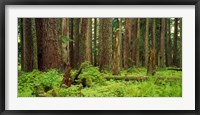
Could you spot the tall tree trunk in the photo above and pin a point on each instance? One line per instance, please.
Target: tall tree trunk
(138, 44)
(88, 40)
(127, 42)
(146, 51)
(35, 61)
(71, 44)
(27, 45)
(84, 39)
(77, 39)
(48, 43)
(22, 43)
(100, 43)
(134, 41)
(180, 42)
(39, 34)
(175, 41)
(95, 41)
(106, 54)
(162, 43)
(154, 34)
(65, 45)
(169, 44)
(116, 55)
(122, 43)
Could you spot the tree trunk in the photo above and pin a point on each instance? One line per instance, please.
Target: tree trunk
(138, 44)
(48, 46)
(175, 41)
(90, 38)
(65, 44)
(27, 45)
(35, 61)
(180, 42)
(100, 43)
(22, 43)
(106, 54)
(169, 44)
(134, 42)
(95, 41)
(127, 42)
(71, 44)
(146, 51)
(88, 41)
(154, 34)
(162, 43)
(116, 55)
(77, 39)
(84, 39)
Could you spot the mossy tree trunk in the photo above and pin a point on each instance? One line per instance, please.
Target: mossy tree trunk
(65, 51)
(116, 54)
(27, 45)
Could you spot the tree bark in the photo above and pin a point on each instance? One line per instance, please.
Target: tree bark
(154, 34)
(138, 44)
(180, 42)
(22, 43)
(95, 41)
(127, 42)
(35, 61)
(116, 55)
(71, 44)
(48, 46)
(27, 45)
(88, 41)
(84, 51)
(65, 51)
(175, 41)
(100, 43)
(106, 54)
(169, 44)
(77, 39)
(162, 43)
(134, 41)
(146, 51)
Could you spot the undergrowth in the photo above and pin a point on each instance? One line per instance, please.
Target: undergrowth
(47, 84)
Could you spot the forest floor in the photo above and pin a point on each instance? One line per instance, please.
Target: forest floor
(132, 82)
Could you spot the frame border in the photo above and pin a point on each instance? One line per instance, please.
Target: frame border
(3, 3)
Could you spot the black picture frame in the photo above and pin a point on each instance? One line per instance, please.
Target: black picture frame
(3, 3)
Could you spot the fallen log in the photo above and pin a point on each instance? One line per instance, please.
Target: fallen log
(142, 78)
(177, 69)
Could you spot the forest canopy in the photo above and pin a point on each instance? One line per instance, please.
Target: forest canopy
(99, 57)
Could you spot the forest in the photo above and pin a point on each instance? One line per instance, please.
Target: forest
(99, 57)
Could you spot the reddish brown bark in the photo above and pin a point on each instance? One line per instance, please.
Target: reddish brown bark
(48, 45)
(127, 38)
